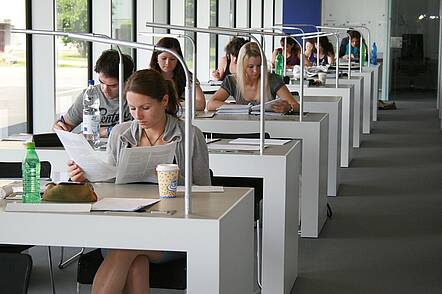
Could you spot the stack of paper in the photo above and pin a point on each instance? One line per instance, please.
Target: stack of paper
(122, 204)
(247, 141)
(233, 109)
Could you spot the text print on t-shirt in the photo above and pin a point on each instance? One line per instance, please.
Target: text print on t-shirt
(111, 118)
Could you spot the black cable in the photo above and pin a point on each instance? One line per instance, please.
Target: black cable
(329, 211)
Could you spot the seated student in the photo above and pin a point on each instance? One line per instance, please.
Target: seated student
(153, 103)
(310, 51)
(107, 68)
(326, 52)
(354, 46)
(244, 86)
(166, 64)
(293, 53)
(227, 64)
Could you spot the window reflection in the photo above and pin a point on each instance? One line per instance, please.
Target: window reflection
(12, 69)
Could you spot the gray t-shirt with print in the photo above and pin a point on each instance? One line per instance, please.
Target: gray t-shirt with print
(108, 110)
(229, 84)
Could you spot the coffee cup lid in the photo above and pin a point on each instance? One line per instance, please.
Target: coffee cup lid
(165, 167)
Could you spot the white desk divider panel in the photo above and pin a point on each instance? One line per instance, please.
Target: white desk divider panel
(376, 69)
(332, 106)
(358, 84)
(346, 92)
(280, 169)
(313, 131)
(217, 236)
(367, 100)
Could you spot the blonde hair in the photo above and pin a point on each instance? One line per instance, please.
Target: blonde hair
(248, 50)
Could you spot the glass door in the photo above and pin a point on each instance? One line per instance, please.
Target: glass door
(414, 47)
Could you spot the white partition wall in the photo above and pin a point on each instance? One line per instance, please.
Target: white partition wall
(43, 66)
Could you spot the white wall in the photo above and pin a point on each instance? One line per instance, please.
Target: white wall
(374, 15)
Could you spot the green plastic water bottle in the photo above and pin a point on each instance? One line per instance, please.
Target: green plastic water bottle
(364, 55)
(31, 175)
(279, 64)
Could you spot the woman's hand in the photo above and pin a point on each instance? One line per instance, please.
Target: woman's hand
(75, 172)
(281, 106)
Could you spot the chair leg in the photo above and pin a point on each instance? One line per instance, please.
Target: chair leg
(51, 273)
(66, 263)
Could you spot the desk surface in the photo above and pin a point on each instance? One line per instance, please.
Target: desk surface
(204, 205)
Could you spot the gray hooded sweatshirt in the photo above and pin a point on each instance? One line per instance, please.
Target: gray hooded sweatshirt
(128, 134)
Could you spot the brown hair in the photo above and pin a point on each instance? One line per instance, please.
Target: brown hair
(179, 77)
(151, 83)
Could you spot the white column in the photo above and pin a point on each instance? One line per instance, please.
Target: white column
(144, 14)
(224, 20)
(242, 14)
(101, 24)
(203, 41)
(43, 66)
(177, 17)
(268, 22)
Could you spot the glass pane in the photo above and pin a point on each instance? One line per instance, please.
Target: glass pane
(213, 37)
(189, 20)
(414, 46)
(12, 69)
(122, 23)
(71, 73)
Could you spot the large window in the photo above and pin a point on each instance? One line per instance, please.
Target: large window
(71, 73)
(13, 100)
(213, 37)
(122, 22)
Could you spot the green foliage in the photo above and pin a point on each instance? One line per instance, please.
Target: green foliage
(72, 16)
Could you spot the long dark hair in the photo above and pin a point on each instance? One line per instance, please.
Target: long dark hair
(295, 47)
(151, 83)
(179, 76)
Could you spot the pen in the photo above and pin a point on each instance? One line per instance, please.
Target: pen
(62, 119)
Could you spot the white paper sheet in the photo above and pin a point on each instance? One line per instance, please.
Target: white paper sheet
(138, 164)
(267, 106)
(79, 150)
(203, 189)
(232, 147)
(247, 141)
(122, 204)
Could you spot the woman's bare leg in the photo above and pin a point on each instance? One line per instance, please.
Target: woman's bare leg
(112, 275)
(137, 281)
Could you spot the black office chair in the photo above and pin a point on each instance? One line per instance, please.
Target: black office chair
(15, 273)
(13, 170)
(169, 275)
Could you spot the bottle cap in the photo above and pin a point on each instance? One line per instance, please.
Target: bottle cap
(30, 145)
(90, 82)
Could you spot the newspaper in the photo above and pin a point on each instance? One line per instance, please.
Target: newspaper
(136, 164)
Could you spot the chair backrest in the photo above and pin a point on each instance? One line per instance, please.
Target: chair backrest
(13, 169)
(15, 272)
(235, 135)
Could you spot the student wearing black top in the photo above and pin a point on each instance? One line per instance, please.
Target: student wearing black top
(227, 64)
(169, 68)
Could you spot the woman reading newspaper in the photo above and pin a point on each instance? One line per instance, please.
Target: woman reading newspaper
(153, 103)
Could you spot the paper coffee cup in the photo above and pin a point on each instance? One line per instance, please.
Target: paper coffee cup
(322, 77)
(167, 180)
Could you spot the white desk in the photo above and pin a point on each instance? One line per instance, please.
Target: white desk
(333, 107)
(218, 236)
(280, 169)
(348, 114)
(358, 84)
(314, 134)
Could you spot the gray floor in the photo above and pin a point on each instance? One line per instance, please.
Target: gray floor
(386, 231)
